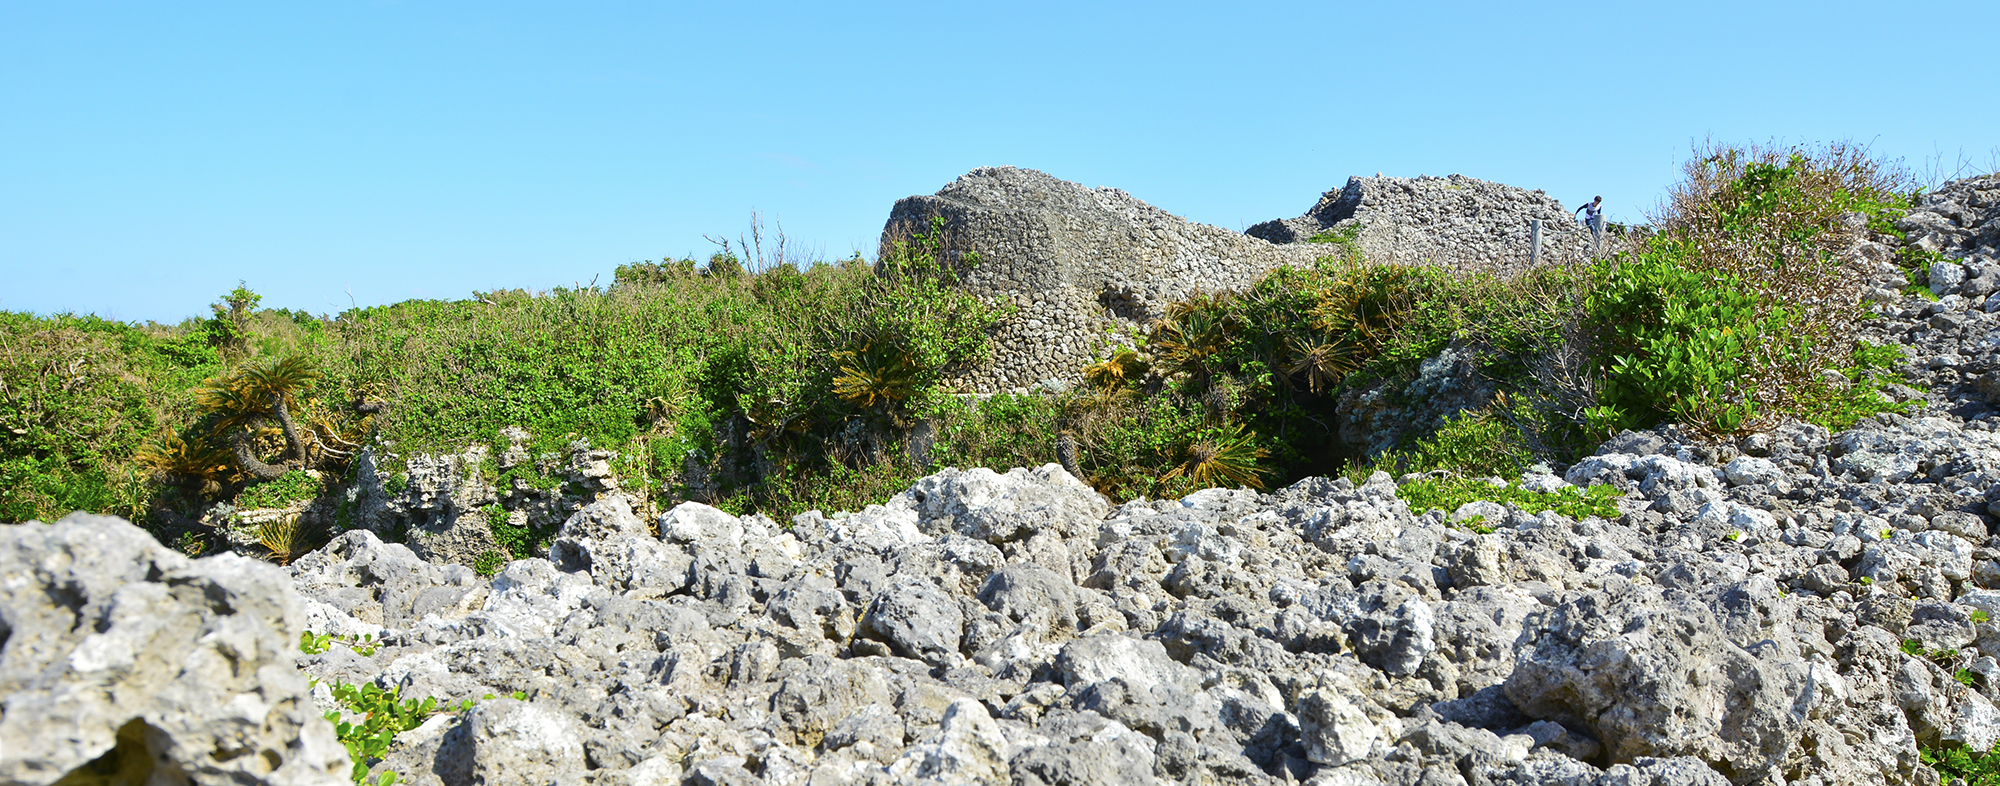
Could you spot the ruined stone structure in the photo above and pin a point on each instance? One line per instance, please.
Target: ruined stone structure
(1082, 264)
(1089, 266)
(1456, 222)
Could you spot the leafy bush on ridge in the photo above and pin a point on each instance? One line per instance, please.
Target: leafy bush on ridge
(1727, 319)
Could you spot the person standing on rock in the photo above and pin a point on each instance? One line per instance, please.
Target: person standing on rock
(1593, 217)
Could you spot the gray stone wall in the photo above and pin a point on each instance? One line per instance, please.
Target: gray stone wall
(1084, 265)
(1455, 222)
(1089, 266)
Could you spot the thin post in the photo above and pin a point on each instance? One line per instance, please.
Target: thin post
(1534, 242)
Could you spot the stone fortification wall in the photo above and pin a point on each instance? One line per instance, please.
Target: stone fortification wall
(1456, 222)
(1082, 264)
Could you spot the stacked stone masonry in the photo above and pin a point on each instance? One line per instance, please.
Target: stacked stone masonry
(1456, 222)
(1087, 267)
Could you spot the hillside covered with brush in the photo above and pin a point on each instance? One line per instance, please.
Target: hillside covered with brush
(760, 384)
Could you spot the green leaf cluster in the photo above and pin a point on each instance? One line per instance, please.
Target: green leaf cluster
(312, 643)
(293, 486)
(1954, 762)
(1730, 317)
(385, 714)
(1449, 493)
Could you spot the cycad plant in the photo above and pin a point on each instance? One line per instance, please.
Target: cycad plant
(1194, 333)
(876, 376)
(245, 402)
(1323, 360)
(1226, 455)
(1112, 374)
(200, 463)
(280, 536)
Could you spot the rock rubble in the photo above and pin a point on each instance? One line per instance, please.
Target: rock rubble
(1743, 621)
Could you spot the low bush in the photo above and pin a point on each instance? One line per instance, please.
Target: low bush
(1729, 318)
(293, 486)
(78, 397)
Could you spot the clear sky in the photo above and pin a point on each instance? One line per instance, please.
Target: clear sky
(328, 153)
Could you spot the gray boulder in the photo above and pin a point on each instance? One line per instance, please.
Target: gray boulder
(126, 661)
(986, 505)
(511, 742)
(1648, 675)
(917, 620)
(611, 543)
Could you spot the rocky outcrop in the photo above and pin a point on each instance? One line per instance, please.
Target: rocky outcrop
(1742, 621)
(1085, 267)
(124, 662)
(1081, 264)
(1456, 222)
(446, 505)
(1960, 220)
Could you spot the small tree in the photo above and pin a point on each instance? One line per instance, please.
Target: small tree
(230, 326)
(247, 400)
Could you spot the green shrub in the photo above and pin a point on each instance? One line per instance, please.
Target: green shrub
(1727, 319)
(1690, 346)
(489, 563)
(78, 397)
(520, 542)
(293, 486)
(1472, 444)
(385, 714)
(1957, 761)
(1449, 493)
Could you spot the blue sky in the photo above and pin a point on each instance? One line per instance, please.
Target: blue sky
(152, 155)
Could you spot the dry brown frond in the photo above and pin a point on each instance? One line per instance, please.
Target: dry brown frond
(280, 536)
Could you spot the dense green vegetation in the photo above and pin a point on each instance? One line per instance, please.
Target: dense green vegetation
(1728, 318)
(828, 385)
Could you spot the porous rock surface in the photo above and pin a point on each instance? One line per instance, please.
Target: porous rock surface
(1455, 222)
(441, 503)
(1081, 264)
(1958, 219)
(124, 662)
(1742, 621)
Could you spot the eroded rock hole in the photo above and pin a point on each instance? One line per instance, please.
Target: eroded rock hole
(128, 763)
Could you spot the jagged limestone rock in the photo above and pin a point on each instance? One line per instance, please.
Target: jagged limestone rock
(123, 661)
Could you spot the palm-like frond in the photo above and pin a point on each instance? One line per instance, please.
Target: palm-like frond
(1322, 360)
(1228, 456)
(199, 459)
(1113, 372)
(873, 376)
(1193, 332)
(250, 397)
(231, 399)
(280, 536)
(282, 379)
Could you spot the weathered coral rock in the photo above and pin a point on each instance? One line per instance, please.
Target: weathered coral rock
(125, 662)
